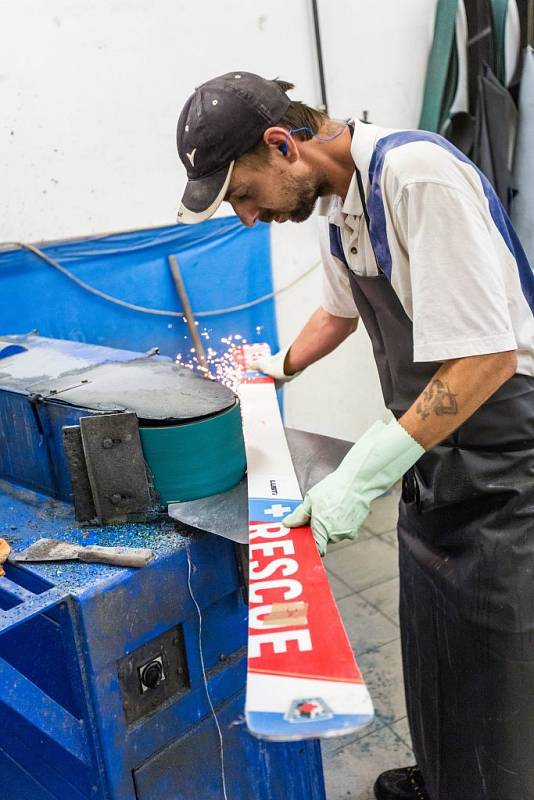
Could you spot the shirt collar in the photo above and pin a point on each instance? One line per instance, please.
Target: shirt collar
(363, 145)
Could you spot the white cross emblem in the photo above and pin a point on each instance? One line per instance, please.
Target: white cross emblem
(277, 510)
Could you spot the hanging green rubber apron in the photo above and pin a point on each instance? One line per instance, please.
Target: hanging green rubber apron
(440, 84)
(499, 11)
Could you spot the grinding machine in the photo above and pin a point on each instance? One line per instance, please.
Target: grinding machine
(104, 670)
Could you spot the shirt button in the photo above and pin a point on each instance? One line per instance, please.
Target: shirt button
(353, 250)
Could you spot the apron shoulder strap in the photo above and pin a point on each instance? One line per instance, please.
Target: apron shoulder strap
(361, 192)
(364, 203)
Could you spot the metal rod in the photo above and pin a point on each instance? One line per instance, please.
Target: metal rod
(319, 49)
(188, 314)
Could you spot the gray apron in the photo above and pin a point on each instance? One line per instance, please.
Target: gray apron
(466, 557)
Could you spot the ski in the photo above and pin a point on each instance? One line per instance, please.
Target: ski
(302, 678)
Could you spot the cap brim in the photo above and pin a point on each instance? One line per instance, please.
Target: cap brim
(203, 196)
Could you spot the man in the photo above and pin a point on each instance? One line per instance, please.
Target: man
(417, 246)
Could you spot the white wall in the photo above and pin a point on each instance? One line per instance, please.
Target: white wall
(89, 97)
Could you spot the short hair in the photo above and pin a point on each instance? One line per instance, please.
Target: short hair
(298, 115)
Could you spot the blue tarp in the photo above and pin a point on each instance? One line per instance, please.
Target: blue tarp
(223, 264)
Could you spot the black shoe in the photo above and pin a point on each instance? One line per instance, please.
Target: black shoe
(401, 784)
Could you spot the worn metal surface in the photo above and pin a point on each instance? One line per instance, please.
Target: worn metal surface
(153, 389)
(39, 358)
(226, 514)
(84, 505)
(107, 380)
(115, 466)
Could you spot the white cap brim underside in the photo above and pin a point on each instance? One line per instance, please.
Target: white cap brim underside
(187, 217)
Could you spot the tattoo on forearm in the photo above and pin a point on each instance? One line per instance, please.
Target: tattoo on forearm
(437, 398)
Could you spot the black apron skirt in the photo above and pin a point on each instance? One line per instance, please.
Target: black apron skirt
(466, 555)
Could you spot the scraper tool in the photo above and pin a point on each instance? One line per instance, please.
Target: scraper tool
(54, 550)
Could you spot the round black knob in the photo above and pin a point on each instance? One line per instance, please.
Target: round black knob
(152, 674)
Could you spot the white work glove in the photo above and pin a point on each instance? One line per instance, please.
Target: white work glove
(274, 366)
(339, 504)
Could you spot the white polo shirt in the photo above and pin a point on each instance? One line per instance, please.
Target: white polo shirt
(443, 241)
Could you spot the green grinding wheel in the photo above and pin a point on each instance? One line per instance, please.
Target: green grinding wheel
(196, 459)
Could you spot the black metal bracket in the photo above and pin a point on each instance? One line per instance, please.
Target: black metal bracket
(107, 469)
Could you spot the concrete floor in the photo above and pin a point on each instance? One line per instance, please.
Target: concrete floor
(364, 579)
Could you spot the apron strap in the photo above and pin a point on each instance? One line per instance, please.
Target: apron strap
(364, 203)
(361, 192)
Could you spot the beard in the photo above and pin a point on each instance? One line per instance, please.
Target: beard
(299, 198)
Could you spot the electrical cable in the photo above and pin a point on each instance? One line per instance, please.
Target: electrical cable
(158, 311)
(203, 666)
(319, 51)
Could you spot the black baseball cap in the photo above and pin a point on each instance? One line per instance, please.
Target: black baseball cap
(221, 121)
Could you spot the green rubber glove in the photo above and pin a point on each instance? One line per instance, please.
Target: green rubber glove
(338, 505)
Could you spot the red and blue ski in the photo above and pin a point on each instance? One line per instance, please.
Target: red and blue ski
(303, 680)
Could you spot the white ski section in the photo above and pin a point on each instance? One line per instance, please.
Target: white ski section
(268, 456)
(275, 693)
(259, 486)
(271, 475)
